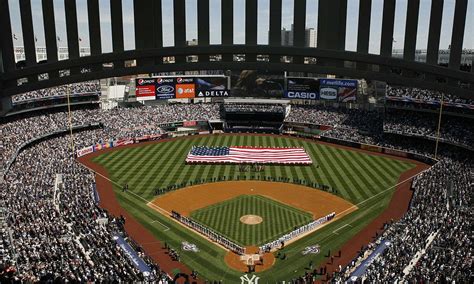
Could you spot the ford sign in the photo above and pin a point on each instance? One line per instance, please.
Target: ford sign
(302, 95)
(328, 93)
(165, 89)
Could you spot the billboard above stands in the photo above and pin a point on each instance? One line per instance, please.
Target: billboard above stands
(185, 91)
(338, 89)
(211, 83)
(302, 88)
(212, 93)
(328, 93)
(301, 95)
(165, 88)
(253, 83)
(172, 87)
(145, 89)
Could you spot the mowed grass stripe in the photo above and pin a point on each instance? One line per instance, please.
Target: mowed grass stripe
(285, 172)
(110, 157)
(179, 168)
(117, 163)
(383, 164)
(146, 178)
(356, 186)
(369, 179)
(276, 215)
(132, 164)
(152, 157)
(341, 172)
(295, 170)
(326, 177)
(126, 168)
(314, 172)
(175, 167)
(174, 170)
(336, 176)
(163, 164)
(377, 171)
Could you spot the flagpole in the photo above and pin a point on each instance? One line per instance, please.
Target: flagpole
(439, 125)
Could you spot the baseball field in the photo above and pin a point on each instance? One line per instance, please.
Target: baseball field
(358, 186)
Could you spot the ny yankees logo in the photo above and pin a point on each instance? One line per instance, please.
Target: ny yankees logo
(245, 279)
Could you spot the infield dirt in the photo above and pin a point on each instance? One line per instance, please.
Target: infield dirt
(316, 202)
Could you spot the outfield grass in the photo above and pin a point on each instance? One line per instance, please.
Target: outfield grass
(278, 219)
(356, 176)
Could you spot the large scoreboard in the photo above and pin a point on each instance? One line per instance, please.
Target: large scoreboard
(340, 90)
(181, 87)
(248, 83)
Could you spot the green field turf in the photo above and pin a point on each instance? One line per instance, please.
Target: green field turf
(278, 219)
(363, 179)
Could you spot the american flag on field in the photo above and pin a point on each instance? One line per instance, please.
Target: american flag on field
(243, 154)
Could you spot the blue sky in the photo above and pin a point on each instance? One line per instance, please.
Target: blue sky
(239, 22)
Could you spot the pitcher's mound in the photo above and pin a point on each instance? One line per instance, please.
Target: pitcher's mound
(251, 219)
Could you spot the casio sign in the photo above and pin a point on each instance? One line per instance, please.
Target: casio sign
(145, 81)
(328, 93)
(165, 89)
(302, 95)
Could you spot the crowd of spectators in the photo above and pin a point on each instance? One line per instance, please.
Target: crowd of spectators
(75, 89)
(432, 242)
(453, 129)
(316, 114)
(60, 238)
(234, 107)
(425, 95)
(56, 233)
(118, 123)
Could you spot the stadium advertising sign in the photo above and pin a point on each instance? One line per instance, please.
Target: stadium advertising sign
(301, 95)
(185, 88)
(165, 88)
(84, 151)
(328, 93)
(338, 89)
(302, 88)
(212, 93)
(211, 87)
(257, 84)
(145, 89)
(185, 91)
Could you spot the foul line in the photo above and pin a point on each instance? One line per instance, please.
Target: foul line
(167, 228)
(346, 225)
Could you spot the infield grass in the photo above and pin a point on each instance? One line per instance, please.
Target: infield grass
(278, 219)
(356, 177)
